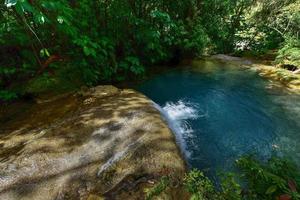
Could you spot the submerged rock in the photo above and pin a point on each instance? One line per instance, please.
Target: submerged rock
(102, 143)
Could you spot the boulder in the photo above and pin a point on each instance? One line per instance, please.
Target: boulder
(101, 143)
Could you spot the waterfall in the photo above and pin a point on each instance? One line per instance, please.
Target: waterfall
(177, 115)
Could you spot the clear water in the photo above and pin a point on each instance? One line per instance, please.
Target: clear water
(220, 113)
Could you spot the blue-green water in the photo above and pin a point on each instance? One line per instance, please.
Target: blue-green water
(220, 113)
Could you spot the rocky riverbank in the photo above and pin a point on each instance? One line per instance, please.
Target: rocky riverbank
(289, 79)
(100, 143)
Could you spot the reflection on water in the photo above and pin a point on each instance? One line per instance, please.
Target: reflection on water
(221, 112)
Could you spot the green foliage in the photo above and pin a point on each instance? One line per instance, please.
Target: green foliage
(130, 64)
(95, 41)
(222, 19)
(231, 189)
(270, 180)
(41, 84)
(261, 180)
(7, 71)
(158, 188)
(289, 54)
(196, 40)
(90, 42)
(272, 24)
(199, 186)
(7, 95)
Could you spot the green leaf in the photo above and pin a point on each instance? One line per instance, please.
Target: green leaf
(47, 52)
(271, 189)
(44, 52)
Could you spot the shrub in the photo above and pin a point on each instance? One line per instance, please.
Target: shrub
(158, 188)
(200, 187)
(277, 178)
(289, 54)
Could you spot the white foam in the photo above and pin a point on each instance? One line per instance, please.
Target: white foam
(177, 114)
(181, 110)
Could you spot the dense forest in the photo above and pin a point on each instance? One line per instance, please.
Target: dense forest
(53, 47)
(63, 45)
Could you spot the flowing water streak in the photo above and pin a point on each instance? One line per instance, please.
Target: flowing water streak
(177, 116)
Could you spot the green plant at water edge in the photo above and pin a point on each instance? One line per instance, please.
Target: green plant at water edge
(273, 179)
(276, 179)
(231, 189)
(158, 188)
(199, 186)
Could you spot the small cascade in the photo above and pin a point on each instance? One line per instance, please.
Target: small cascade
(177, 115)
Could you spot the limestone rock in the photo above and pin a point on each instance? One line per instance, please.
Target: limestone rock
(75, 148)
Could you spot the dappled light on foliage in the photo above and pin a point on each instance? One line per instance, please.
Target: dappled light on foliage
(61, 45)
